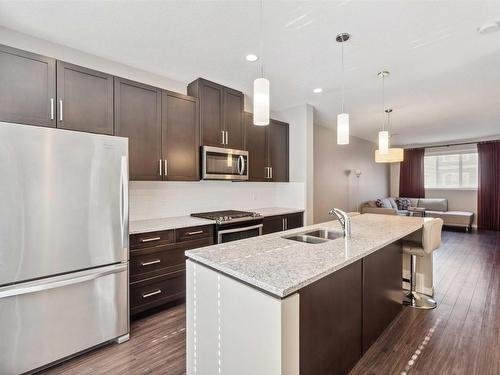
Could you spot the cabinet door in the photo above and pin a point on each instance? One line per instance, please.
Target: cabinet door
(278, 150)
(295, 220)
(233, 118)
(273, 224)
(382, 291)
(27, 88)
(256, 145)
(138, 117)
(180, 135)
(211, 96)
(84, 98)
(330, 322)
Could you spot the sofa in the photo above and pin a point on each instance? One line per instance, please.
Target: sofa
(434, 207)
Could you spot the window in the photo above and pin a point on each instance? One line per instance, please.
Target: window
(453, 171)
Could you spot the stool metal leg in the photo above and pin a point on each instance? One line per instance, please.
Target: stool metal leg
(413, 298)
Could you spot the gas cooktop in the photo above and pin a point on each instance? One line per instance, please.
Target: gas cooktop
(227, 216)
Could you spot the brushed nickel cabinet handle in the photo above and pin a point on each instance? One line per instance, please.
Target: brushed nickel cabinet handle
(60, 110)
(222, 131)
(165, 167)
(195, 232)
(51, 108)
(227, 137)
(156, 261)
(151, 294)
(150, 239)
(161, 167)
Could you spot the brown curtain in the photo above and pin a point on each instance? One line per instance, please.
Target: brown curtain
(411, 175)
(488, 201)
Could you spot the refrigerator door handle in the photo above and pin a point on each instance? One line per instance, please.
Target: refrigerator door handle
(124, 202)
(60, 281)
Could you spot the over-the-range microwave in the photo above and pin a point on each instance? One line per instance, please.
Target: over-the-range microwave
(224, 164)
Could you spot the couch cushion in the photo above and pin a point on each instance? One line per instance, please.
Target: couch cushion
(393, 203)
(414, 202)
(457, 217)
(433, 204)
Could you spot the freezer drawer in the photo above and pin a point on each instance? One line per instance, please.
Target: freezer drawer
(49, 319)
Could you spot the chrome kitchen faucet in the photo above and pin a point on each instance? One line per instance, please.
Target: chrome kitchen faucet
(345, 220)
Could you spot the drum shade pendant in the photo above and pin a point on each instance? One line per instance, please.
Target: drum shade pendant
(383, 135)
(343, 118)
(261, 92)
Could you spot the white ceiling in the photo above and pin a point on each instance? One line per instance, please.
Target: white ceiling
(445, 77)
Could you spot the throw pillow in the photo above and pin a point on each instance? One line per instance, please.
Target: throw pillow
(403, 203)
(378, 203)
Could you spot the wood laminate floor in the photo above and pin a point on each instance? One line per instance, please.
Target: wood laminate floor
(461, 336)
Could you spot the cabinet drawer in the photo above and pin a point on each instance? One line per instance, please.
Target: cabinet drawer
(151, 261)
(192, 233)
(151, 239)
(157, 291)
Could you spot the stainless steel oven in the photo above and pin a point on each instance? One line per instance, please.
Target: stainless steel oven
(224, 164)
(234, 225)
(239, 232)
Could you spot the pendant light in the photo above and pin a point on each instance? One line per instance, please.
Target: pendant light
(261, 97)
(343, 118)
(383, 135)
(393, 155)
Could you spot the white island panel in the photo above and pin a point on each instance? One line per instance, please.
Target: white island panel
(233, 328)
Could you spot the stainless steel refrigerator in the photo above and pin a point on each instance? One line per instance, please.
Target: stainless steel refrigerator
(63, 244)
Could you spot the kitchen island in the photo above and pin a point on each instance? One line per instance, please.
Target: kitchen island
(272, 305)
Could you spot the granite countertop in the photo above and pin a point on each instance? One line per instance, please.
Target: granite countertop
(275, 211)
(153, 225)
(280, 266)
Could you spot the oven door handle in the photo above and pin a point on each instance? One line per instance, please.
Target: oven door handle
(220, 233)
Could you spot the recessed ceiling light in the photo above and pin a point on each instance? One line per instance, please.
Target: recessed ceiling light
(251, 57)
(489, 28)
(318, 90)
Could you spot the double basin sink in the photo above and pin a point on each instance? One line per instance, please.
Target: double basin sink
(315, 236)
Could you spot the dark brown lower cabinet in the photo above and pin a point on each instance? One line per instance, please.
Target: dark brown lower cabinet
(157, 265)
(280, 223)
(342, 314)
(383, 294)
(330, 323)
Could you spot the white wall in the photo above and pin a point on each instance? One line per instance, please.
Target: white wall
(334, 185)
(165, 199)
(301, 153)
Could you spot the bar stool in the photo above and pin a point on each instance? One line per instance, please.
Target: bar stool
(431, 240)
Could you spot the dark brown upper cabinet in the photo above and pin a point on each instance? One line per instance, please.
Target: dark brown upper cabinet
(138, 117)
(84, 99)
(256, 145)
(221, 114)
(180, 137)
(27, 88)
(268, 150)
(278, 151)
(233, 118)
